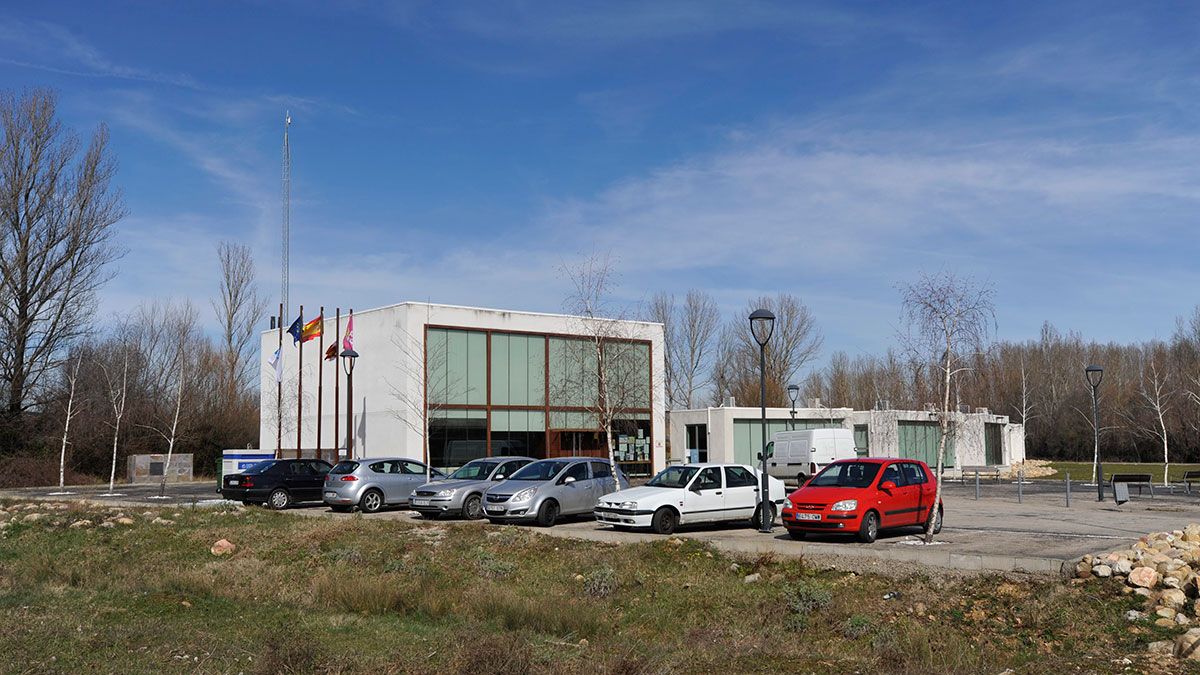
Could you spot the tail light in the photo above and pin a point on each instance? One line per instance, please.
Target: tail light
(349, 479)
(247, 481)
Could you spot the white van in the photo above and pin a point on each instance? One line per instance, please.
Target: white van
(801, 454)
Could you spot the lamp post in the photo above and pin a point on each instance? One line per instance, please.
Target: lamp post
(762, 324)
(793, 393)
(348, 358)
(1095, 375)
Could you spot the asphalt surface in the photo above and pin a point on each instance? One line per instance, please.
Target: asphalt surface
(1038, 534)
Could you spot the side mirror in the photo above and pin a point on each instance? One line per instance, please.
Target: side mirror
(887, 486)
(568, 480)
(499, 476)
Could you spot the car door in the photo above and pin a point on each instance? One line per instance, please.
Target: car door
(741, 492)
(412, 476)
(316, 484)
(602, 481)
(380, 475)
(916, 477)
(704, 498)
(576, 496)
(900, 505)
(299, 481)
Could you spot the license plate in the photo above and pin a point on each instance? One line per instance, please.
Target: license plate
(232, 482)
(808, 516)
(331, 495)
(420, 502)
(494, 509)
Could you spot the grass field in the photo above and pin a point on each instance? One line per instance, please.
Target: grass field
(316, 595)
(1082, 471)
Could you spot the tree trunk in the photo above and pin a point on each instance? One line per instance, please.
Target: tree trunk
(941, 452)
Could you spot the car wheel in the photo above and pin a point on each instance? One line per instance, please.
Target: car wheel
(796, 534)
(756, 520)
(371, 502)
(664, 521)
(279, 499)
(547, 513)
(937, 521)
(869, 529)
(473, 507)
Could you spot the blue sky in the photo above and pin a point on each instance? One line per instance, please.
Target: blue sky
(462, 152)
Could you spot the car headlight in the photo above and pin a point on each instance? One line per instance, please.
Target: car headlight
(448, 492)
(521, 496)
(632, 506)
(845, 505)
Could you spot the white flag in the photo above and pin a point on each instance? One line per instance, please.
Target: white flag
(277, 361)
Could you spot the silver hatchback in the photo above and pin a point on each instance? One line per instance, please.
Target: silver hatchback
(462, 493)
(371, 483)
(549, 488)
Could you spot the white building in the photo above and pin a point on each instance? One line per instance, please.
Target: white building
(734, 434)
(473, 382)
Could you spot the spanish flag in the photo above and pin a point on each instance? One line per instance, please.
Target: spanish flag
(312, 329)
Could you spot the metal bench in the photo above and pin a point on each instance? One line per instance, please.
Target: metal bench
(1188, 477)
(1138, 479)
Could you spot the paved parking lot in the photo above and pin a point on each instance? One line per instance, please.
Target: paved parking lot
(994, 533)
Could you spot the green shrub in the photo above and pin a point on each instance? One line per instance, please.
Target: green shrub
(601, 583)
(857, 626)
(805, 597)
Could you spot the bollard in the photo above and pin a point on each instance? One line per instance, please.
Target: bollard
(976, 484)
(1068, 489)
(1020, 481)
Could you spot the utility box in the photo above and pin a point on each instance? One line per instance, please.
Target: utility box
(153, 468)
(235, 461)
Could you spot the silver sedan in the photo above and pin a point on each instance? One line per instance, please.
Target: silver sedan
(549, 488)
(462, 492)
(371, 483)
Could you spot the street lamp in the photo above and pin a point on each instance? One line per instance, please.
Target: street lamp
(1095, 375)
(793, 393)
(762, 324)
(348, 358)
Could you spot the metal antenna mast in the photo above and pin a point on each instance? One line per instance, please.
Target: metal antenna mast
(287, 215)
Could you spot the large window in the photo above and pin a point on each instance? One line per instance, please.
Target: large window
(919, 440)
(519, 432)
(456, 437)
(518, 369)
(748, 440)
(456, 361)
(697, 442)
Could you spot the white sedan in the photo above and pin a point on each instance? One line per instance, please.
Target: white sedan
(691, 493)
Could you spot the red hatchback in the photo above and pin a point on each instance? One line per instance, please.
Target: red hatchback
(863, 496)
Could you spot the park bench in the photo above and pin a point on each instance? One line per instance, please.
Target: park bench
(1188, 477)
(992, 472)
(1138, 479)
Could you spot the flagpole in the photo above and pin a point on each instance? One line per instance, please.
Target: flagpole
(300, 386)
(279, 394)
(337, 338)
(320, 378)
(349, 403)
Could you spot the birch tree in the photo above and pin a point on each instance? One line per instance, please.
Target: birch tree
(169, 343)
(1156, 396)
(238, 308)
(946, 319)
(72, 375)
(118, 390)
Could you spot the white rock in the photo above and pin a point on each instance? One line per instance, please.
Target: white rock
(1102, 571)
(751, 578)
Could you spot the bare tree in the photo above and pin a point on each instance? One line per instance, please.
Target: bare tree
(118, 391)
(794, 343)
(57, 209)
(1156, 395)
(168, 339)
(72, 375)
(238, 307)
(607, 369)
(947, 319)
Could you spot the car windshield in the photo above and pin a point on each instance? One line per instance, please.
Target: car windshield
(474, 471)
(673, 477)
(544, 470)
(259, 467)
(848, 474)
(344, 467)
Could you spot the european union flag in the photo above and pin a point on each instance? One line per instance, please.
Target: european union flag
(295, 329)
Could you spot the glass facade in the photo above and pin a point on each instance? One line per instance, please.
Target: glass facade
(506, 393)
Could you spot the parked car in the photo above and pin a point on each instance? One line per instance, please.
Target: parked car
(550, 488)
(373, 483)
(462, 492)
(691, 493)
(278, 483)
(862, 497)
(801, 454)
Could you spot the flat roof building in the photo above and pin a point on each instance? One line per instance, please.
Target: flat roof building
(471, 382)
(734, 434)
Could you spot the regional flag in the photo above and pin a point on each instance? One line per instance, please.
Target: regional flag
(348, 339)
(331, 352)
(295, 329)
(312, 329)
(276, 361)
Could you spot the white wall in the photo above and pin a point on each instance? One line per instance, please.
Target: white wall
(389, 340)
